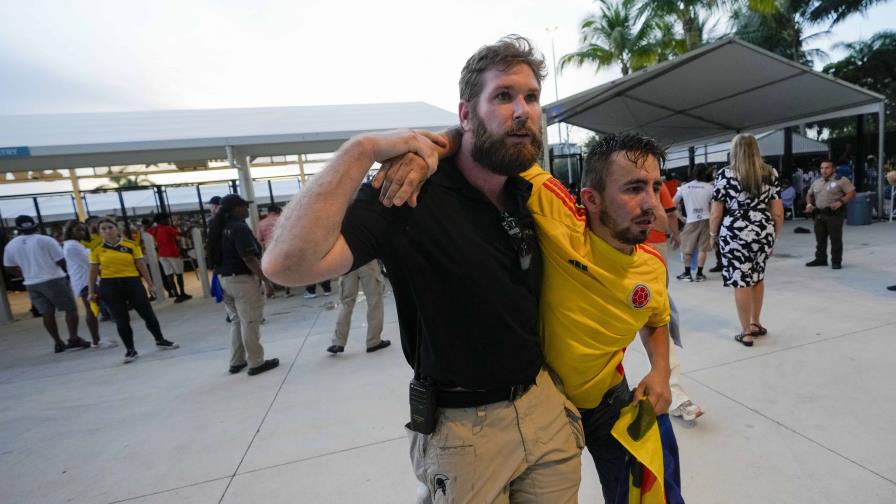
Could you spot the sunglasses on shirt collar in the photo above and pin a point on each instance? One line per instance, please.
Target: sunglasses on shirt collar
(520, 238)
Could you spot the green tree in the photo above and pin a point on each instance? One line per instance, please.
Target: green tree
(870, 64)
(786, 26)
(122, 181)
(618, 34)
(690, 15)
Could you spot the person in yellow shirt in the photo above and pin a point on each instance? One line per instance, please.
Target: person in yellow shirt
(119, 264)
(602, 283)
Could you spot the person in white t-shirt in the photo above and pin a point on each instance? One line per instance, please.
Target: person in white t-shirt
(78, 265)
(696, 196)
(41, 261)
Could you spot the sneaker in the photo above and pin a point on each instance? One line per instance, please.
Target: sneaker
(716, 269)
(166, 345)
(379, 346)
(688, 411)
(179, 299)
(77, 342)
(836, 266)
(237, 369)
(327, 293)
(266, 366)
(103, 343)
(816, 262)
(335, 349)
(59, 348)
(309, 295)
(685, 276)
(186, 296)
(700, 277)
(130, 356)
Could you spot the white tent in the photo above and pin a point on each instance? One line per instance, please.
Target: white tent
(771, 144)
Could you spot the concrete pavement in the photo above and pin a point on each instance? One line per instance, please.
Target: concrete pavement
(804, 416)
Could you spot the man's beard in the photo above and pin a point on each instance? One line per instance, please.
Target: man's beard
(623, 234)
(493, 153)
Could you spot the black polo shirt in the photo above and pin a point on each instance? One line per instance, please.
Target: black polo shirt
(459, 286)
(237, 242)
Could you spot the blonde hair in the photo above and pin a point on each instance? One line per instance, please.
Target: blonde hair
(747, 163)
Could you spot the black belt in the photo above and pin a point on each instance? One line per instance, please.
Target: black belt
(473, 398)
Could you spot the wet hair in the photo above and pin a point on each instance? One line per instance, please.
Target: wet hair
(216, 227)
(637, 149)
(503, 55)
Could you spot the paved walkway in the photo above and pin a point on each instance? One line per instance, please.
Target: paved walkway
(805, 416)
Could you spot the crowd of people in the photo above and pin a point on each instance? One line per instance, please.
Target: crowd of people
(515, 304)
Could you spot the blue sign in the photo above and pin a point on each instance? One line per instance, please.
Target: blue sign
(11, 152)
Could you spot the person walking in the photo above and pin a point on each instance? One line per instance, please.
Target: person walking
(235, 255)
(371, 280)
(826, 200)
(748, 194)
(696, 196)
(119, 265)
(77, 260)
(42, 264)
(166, 237)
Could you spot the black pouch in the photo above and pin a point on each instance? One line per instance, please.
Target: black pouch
(422, 395)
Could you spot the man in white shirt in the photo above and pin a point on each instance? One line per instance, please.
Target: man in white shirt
(696, 196)
(41, 261)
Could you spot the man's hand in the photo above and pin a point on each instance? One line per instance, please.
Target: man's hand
(656, 387)
(675, 240)
(836, 205)
(809, 207)
(93, 296)
(401, 178)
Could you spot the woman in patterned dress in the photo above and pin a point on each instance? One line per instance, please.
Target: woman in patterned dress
(748, 195)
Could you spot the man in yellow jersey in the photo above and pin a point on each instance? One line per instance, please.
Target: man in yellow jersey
(601, 285)
(601, 282)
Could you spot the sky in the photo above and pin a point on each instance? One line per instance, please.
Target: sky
(59, 56)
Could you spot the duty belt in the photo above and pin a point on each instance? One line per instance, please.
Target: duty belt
(473, 398)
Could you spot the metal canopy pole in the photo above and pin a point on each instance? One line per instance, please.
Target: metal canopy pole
(240, 162)
(76, 192)
(40, 218)
(880, 163)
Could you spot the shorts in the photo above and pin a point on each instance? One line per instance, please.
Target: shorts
(172, 265)
(695, 235)
(52, 295)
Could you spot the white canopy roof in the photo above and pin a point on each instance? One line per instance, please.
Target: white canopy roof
(713, 93)
(771, 144)
(51, 141)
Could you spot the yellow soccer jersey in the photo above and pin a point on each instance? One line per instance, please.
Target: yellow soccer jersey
(116, 261)
(95, 241)
(594, 298)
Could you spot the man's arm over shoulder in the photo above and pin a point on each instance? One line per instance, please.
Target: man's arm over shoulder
(550, 198)
(308, 245)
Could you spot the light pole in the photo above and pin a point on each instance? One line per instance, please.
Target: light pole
(551, 30)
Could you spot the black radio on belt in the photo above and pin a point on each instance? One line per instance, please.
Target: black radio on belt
(422, 396)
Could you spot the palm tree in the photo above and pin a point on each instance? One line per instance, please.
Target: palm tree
(616, 35)
(782, 26)
(122, 181)
(690, 15)
(870, 64)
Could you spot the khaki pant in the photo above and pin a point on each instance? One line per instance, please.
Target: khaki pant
(371, 280)
(527, 451)
(244, 303)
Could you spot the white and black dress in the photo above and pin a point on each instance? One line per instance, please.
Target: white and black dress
(748, 231)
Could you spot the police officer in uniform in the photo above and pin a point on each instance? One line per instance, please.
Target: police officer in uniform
(826, 200)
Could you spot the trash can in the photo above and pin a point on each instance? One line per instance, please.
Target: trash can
(858, 211)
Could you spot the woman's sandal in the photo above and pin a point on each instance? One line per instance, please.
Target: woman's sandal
(740, 339)
(760, 331)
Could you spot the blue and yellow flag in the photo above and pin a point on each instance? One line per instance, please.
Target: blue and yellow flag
(653, 467)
